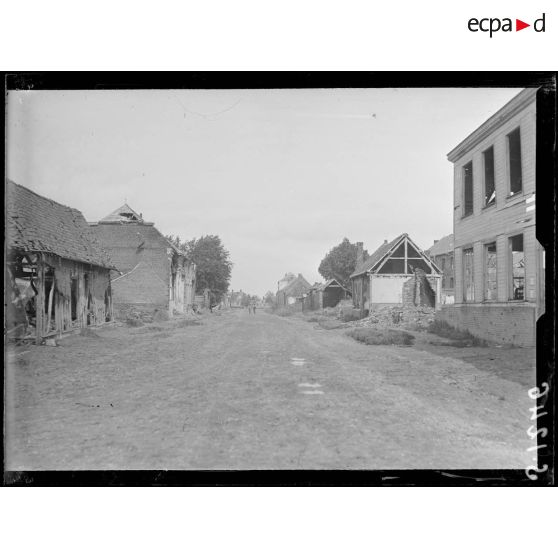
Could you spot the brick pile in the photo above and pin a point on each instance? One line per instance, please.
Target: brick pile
(405, 317)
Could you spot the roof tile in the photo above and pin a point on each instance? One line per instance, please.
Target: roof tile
(38, 224)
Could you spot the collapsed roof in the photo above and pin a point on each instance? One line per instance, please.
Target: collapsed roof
(124, 214)
(374, 263)
(38, 224)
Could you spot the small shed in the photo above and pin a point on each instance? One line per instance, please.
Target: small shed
(57, 274)
(397, 272)
(332, 292)
(325, 295)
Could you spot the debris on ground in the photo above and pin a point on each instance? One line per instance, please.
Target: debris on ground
(134, 321)
(404, 317)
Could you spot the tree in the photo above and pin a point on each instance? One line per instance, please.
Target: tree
(213, 266)
(269, 298)
(339, 263)
(175, 241)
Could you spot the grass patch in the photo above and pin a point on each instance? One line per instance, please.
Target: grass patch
(462, 337)
(330, 324)
(284, 311)
(186, 323)
(86, 332)
(147, 329)
(370, 336)
(312, 319)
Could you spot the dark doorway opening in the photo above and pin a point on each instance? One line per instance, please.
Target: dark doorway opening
(73, 297)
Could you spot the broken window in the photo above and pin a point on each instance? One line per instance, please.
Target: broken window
(448, 274)
(128, 216)
(468, 189)
(490, 282)
(468, 278)
(489, 182)
(514, 153)
(517, 260)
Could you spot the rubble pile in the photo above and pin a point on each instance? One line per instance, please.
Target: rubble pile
(405, 317)
(138, 316)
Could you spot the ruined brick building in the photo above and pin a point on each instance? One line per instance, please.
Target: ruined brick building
(398, 272)
(58, 277)
(499, 275)
(441, 253)
(153, 273)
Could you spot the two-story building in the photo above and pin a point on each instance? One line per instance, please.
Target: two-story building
(499, 278)
(154, 274)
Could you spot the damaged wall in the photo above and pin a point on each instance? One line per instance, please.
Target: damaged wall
(182, 284)
(153, 274)
(51, 295)
(420, 290)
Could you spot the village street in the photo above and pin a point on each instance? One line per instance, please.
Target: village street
(240, 391)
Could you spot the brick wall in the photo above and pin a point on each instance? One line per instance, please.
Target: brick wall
(140, 252)
(146, 284)
(426, 290)
(503, 323)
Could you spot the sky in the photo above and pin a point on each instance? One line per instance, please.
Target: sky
(282, 176)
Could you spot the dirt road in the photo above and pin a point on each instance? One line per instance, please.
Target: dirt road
(255, 392)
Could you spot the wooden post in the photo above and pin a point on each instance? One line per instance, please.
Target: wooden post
(49, 312)
(40, 300)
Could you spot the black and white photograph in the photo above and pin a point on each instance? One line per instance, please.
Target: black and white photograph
(274, 279)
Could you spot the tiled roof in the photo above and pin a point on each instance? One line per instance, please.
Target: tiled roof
(37, 224)
(442, 246)
(297, 287)
(376, 256)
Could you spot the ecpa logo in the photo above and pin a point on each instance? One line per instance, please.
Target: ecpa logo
(494, 24)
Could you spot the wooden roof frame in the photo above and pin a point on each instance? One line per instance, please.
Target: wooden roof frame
(405, 238)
